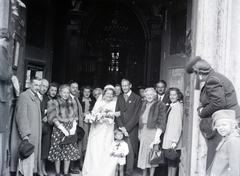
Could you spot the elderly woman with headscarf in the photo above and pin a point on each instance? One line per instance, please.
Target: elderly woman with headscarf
(217, 93)
(152, 122)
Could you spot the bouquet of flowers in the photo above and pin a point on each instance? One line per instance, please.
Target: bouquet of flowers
(104, 116)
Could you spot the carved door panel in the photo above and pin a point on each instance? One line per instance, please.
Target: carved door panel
(12, 17)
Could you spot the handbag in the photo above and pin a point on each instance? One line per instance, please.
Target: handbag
(79, 134)
(156, 156)
(69, 139)
(171, 154)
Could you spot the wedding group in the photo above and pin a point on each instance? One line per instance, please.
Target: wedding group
(121, 129)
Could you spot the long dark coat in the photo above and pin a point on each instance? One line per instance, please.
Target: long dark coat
(217, 93)
(46, 138)
(129, 116)
(27, 121)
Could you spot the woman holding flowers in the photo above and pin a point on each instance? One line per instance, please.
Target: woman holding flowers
(101, 134)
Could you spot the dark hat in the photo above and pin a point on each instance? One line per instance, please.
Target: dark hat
(223, 114)
(171, 154)
(191, 63)
(25, 149)
(198, 65)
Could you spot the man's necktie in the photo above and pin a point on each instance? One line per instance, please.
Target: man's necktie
(125, 97)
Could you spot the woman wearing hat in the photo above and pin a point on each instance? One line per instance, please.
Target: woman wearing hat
(217, 93)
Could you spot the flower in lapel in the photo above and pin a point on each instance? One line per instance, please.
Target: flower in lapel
(130, 101)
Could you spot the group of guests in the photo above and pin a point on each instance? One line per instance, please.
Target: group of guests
(46, 114)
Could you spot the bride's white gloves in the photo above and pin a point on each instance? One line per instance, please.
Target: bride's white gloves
(156, 138)
(65, 132)
(73, 129)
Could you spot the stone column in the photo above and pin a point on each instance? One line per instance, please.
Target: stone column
(4, 13)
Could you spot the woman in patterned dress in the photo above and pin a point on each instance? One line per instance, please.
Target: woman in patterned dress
(152, 123)
(61, 115)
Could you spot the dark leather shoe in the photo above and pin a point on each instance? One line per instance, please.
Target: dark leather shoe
(73, 171)
(80, 168)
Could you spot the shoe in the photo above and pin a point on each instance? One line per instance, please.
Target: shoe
(58, 174)
(67, 175)
(80, 168)
(73, 171)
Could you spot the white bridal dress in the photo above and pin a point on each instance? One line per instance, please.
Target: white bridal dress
(97, 160)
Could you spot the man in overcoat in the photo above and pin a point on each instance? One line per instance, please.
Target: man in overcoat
(27, 124)
(129, 105)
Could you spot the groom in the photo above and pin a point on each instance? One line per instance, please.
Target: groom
(129, 105)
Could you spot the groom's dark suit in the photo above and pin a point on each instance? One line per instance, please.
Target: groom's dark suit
(129, 119)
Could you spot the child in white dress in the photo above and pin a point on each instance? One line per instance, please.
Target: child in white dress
(120, 150)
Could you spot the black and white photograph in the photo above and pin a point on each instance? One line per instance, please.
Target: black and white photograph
(119, 88)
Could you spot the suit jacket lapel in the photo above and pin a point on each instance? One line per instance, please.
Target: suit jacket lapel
(129, 101)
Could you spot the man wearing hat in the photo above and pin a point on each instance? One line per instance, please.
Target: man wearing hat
(27, 125)
(227, 157)
(217, 93)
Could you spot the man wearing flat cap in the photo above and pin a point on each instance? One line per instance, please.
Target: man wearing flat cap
(217, 93)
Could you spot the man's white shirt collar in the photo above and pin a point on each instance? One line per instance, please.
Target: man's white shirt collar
(129, 93)
(161, 97)
(72, 96)
(39, 96)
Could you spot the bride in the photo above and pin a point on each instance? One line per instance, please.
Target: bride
(97, 160)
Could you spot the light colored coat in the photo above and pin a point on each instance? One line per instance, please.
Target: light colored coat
(227, 158)
(173, 132)
(27, 121)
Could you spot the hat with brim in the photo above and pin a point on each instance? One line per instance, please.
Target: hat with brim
(191, 63)
(171, 154)
(25, 149)
(223, 114)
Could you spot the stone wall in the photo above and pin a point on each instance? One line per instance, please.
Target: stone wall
(216, 38)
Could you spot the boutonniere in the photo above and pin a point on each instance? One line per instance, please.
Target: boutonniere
(167, 104)
(129, 101)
